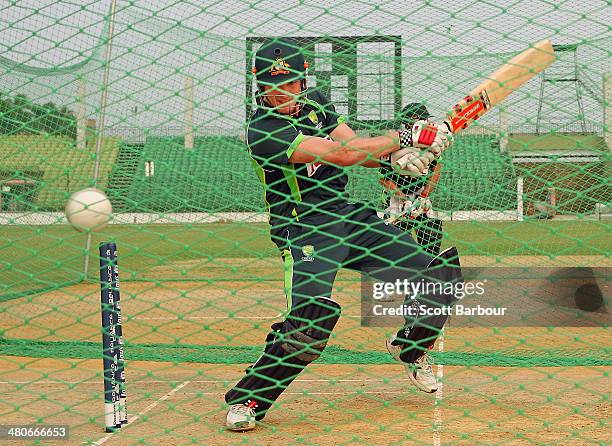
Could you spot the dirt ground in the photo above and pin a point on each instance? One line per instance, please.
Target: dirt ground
(175, 404)
(331, 404)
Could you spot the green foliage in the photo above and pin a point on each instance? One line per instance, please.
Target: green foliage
(21, 116)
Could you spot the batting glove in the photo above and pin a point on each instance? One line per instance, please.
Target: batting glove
(435, 138)
(397, 208)
(405, 207)
(420, 206)
(412, 161)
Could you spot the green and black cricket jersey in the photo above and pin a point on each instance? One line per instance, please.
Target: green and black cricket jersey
(293, 191)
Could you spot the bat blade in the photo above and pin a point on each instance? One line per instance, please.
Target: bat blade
(499, 85)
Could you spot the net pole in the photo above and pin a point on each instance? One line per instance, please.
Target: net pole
(519, 198)
(81, 121)
(103, 99)
(607, 109)
(104, 95)
(437, 422)
(188, 112)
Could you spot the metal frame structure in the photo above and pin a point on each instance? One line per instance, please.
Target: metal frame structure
(344, 62)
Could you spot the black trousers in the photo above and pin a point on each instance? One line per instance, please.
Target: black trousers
(428, 232)
(314, 249)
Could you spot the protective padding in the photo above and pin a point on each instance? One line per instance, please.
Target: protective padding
(308, 327)
(290, 347)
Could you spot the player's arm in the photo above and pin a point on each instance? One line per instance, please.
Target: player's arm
(345, 148)
(394, 147)
(401, 148)
(274, 143)
(346, 151)
(344, 133)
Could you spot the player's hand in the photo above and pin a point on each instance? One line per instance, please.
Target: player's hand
(405, 207)
(412, 161)
(445, 130)
(420, 206)
(434, 137)
(398, 208)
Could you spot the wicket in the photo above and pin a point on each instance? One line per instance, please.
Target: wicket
(115, 409)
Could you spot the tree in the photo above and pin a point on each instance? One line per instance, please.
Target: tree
(20, 115)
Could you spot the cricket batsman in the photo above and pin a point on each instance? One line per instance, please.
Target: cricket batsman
(300, 145)
(407, 197)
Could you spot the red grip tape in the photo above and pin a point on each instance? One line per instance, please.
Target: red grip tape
(428, 135)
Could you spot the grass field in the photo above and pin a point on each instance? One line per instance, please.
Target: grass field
(162, 105)
(41, 256)
(556, 142)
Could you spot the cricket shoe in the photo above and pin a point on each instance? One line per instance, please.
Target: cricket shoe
(420, 372)
(240, 418)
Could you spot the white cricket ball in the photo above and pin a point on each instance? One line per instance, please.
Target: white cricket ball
(89, 209)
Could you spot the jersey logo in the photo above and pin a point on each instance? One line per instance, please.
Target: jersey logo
(311, 168)
(308, 252)
(313, 117)
(253, 404)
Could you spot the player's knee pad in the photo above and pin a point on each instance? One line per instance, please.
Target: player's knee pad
(305, 332)
(432, 308)
(290, 346)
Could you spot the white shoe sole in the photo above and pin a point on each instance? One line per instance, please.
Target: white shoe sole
(241, 427)
(391, 349)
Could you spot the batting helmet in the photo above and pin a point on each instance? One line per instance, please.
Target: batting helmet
(279, 61)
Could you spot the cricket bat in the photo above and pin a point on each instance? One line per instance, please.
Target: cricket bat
(498, 86)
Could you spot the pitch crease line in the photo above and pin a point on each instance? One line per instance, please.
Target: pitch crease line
(437, 412)
(139, 414)
(207, 381)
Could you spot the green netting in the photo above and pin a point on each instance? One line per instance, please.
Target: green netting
(152, 103)
(56, 165)
(216, 159)
(216, 354)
